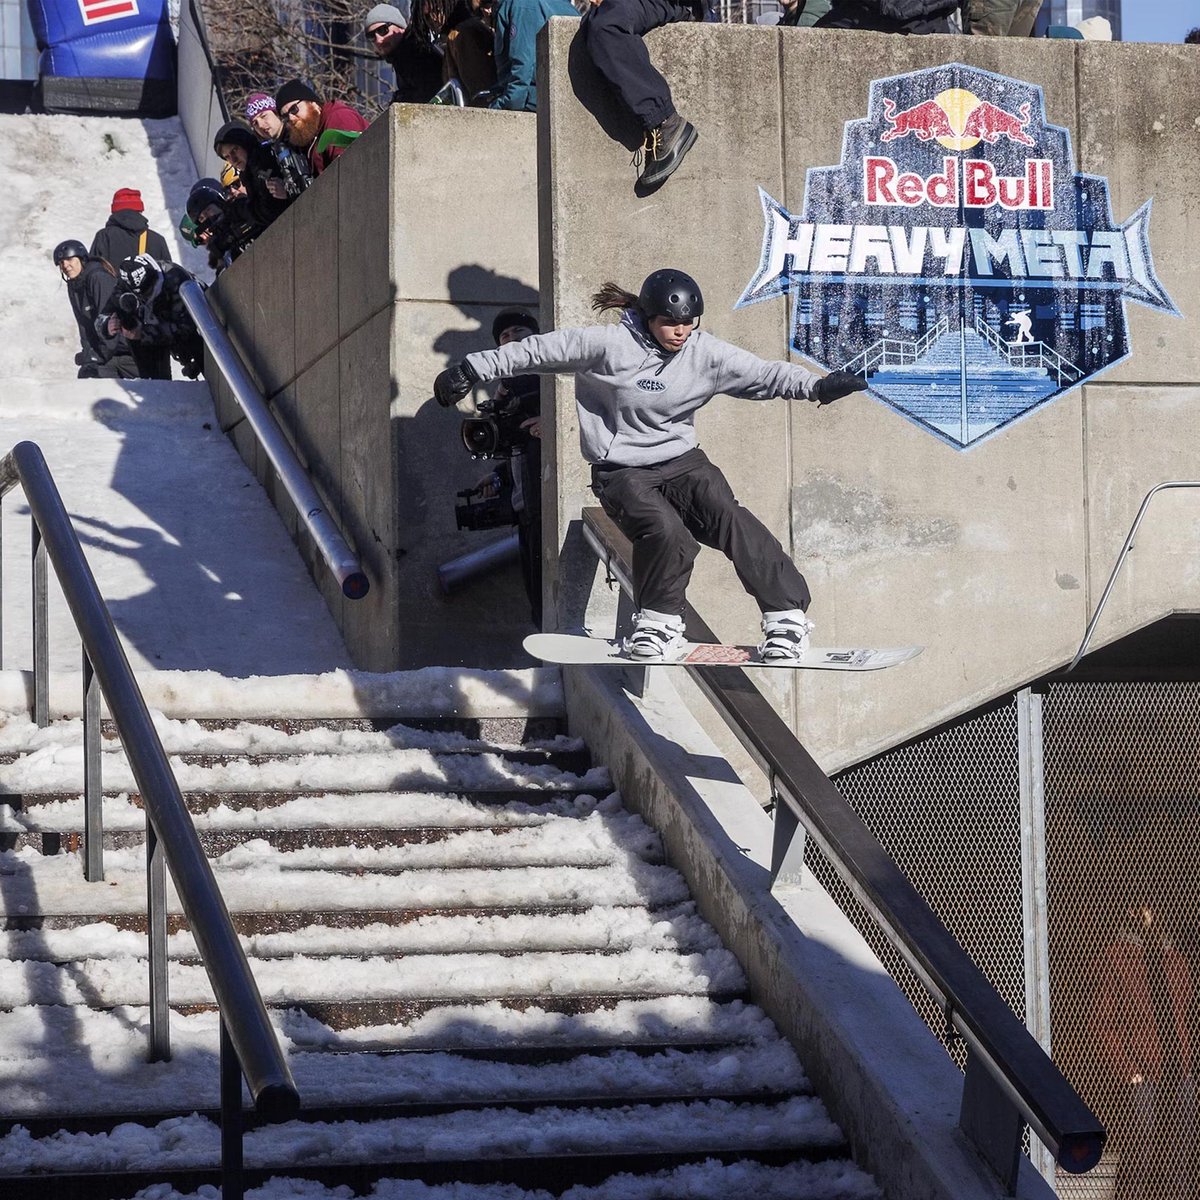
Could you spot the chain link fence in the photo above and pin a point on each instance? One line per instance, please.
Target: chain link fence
(1118, 789)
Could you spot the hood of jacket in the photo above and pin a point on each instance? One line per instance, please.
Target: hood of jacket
(127, 219)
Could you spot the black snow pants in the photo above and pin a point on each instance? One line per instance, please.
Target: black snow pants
(670, 510)
(612, 32)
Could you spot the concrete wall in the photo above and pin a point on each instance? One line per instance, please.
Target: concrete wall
(992, 557)
(199, 103)
(387, 269)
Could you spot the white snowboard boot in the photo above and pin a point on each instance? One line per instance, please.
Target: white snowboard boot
(785, 636)
(656, 637)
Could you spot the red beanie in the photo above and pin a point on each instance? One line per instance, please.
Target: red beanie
(127, 198)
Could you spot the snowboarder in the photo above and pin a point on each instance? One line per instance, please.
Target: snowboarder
(147, 308)
(638, 385)
(90, 282)
(1023, 323)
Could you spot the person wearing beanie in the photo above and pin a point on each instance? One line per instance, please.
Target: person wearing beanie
(127, 232)
(266, 194)
(413, 45)
(323, 129)
(266, 125)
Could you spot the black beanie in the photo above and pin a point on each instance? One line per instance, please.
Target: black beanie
(509, 317)
(294, 89)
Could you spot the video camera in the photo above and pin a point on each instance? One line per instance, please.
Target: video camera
(474, 511)
(497, 431)
(129, 306)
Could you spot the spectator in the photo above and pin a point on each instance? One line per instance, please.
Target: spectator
(1193, 37)
(321, 128)
(223, 224)
(411, 50)
(612, 35)
(231, 181)
(146, 306)
(127, 231)
(891, 16)
(1141, 1025)
(803, 12)
(648, 472)
(264, 187)
(518, 22)
(471, 53)
(90, 282)
(264, 121)
(1003, 18)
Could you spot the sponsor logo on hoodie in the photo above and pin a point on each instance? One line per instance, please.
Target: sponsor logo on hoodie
(652, 385)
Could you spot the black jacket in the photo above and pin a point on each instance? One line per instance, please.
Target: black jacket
(417, 63)
(119, 238)
(890, 16)
(89, 292)
(261, 167)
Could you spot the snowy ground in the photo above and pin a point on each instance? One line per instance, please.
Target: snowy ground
(195, 564)
(60, 174)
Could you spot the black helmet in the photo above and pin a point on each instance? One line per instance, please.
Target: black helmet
(138, 274)
(510, 317)
(670, 293)
(71, 248)
(204, 192)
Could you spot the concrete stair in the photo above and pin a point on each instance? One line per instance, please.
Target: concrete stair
(930, 388)
(483, 971)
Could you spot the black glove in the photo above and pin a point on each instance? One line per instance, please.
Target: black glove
(835, 385)
(453, 384)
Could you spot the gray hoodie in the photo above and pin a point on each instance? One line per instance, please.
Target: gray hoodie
(637, 402)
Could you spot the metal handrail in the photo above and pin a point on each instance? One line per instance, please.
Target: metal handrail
(1010, 1078)
(327, 537)
(247, 1038)
(1126, 550)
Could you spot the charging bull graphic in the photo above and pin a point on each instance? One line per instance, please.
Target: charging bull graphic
(955, 257)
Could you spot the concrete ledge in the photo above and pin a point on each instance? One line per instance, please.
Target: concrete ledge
(883, 1075)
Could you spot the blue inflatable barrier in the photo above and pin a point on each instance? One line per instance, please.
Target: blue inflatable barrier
(112, 56)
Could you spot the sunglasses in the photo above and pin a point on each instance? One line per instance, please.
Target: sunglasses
(288, 111)
(379, 31)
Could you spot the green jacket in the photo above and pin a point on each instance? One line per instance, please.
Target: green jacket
(1004, 18)
(807, 12)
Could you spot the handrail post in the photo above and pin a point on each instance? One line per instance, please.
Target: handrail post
(156, 929)
(41, 632)
(231, 1119)
(93, 791)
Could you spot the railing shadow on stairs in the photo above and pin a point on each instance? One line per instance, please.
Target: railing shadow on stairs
(249, 1046)
(1010, 1080)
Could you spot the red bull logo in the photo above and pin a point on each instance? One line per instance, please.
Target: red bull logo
(958, 120)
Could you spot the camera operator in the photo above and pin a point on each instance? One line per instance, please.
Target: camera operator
(508, 430)
(224, 226)
(146, 309)
(293, 166)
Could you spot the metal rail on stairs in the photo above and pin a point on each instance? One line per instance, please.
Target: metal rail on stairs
(1010, 1080)
(327, 537)
(249, 1045)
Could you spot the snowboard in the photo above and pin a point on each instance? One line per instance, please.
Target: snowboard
(575, 648)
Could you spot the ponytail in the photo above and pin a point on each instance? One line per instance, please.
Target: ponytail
(611, 296)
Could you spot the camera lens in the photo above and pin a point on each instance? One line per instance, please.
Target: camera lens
(480, 436)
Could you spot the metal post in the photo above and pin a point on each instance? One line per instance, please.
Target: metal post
(156, 926)
(41, 633)
(787, 844)
(93, 792)
(231, 1119)
(1034, 902)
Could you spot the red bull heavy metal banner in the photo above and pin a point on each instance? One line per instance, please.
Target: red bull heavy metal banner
(956, 258)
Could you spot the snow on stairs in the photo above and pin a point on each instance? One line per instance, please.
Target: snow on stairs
(482, 969)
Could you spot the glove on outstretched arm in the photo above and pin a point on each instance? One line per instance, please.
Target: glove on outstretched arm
(835, 385)
(453, 384)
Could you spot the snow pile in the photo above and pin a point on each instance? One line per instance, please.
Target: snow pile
(60, 174)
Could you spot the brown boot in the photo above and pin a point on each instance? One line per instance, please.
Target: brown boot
(664, 150)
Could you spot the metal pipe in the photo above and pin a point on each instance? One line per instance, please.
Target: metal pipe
(156, 957)
(266, 1071)
(327, 537)
(93, 791)
(1126, 549)
(466, 568)
(41, 632)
